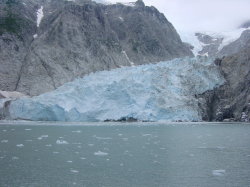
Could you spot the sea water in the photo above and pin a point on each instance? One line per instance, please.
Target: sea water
(124, 154)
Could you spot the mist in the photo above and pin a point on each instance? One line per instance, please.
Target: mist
(202, 15)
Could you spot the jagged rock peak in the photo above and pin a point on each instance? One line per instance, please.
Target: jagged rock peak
(245, 24)
(140, 3)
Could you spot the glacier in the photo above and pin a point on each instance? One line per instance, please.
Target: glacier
(165, 91)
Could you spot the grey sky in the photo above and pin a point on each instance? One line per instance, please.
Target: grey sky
(202, 15)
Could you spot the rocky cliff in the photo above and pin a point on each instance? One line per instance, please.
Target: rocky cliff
(230, 102)
(44, 44)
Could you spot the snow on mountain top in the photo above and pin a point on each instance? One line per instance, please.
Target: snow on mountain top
(155, 92)
(132, 4)
(228, 37)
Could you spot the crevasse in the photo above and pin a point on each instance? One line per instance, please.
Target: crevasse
(156, 92)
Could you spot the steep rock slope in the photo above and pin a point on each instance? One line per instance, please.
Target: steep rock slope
(48, 43)
(230, 102)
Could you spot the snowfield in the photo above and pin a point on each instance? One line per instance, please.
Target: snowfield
(156, 92)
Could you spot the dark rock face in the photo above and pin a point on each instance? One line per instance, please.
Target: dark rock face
(77, 38)
(230, 102)
(245, 25)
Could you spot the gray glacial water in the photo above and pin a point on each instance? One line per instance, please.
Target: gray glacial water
(124, 155)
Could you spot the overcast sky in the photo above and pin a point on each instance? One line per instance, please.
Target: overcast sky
(202, 15)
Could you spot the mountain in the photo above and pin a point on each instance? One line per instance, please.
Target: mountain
(46, 43)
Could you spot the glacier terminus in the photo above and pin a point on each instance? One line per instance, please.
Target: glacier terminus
(165, 91)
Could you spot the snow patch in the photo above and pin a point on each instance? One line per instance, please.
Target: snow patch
(121, 18)
(130, 62)
(131, 4)
(193, 40)
(228, 36)
(40, 16)
(12, 95)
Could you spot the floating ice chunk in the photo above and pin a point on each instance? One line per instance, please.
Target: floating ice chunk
(83, 158)
(77, 143)
(69, 161)
(219, 172)
(102, 138)
(78, 131)
(19, 145)
(43, 137)
(220, 147)
(55, 152)
(74, 171)
(61, 142)
(27, 129)
(147, 135)
(100, 153)
(4, 141)
(15, 158)
(48, 145)
(125, 139)
(35, 36)
(90, 145)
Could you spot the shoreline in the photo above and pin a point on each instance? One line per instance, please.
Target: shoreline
(60, 123)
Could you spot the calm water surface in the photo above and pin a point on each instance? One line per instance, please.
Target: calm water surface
(120, 155)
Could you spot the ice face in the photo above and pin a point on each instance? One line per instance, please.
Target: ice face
(156, 92)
